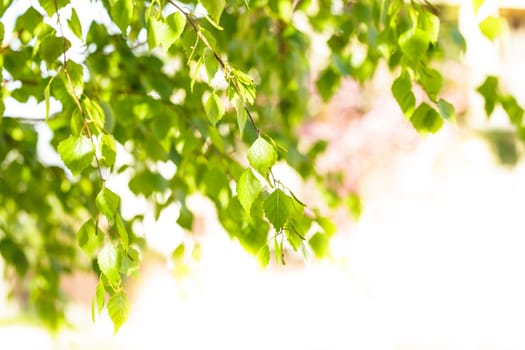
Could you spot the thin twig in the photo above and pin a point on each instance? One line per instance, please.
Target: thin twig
(74, 95)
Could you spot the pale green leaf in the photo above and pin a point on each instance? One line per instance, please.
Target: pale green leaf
(214, 8)
(402, 91)
(47, 94)
(108, 149)
(77, 123)
(446, 110)
(77, 152)
(122, 232)
(320, 244)
(168, 30)
(210, 63)
(94, 113)
(491, 27)
(118, 309)
(121, 13)
(426, 119)
(51, 6)
(214, 108)
(242, 115)
(477, 4)
(277, 208)
(130, 262)
(97, 303)
(74, 24)
(89, 238)
(414, 44)
(263, 256)
(431, 81)
(262, 156)
(429, 23)
(108, 202)
(248, 189)
(109, 259)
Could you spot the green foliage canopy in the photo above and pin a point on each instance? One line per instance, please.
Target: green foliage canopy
(214, 88)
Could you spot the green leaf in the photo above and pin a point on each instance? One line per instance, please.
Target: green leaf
(47, 96)
(89, 238)
(214, 8)
(426, 119)
(489, 91)
(263, 256)
(354, 205)
(328, 83)
(210, 63)
(242, 115)
(50, 6)
(77, 123)
(431, 81)
(185, 219)
(121, 13)
(94, 113)
(122, 232)
(429, 23)
(477, 4)
(74, 24)
(262, 156)
(245, 84)
(108, 202)
(130, 264)
(109, 259)
(98, 301)
(491, 27)
(118, 309)
(248, 189)
(51, 48)
(277, 208)
(214, 108)
(402, 91)
(446, 110)
(320, 244)
(77, 152)
(513, 109)
(108, 150)
(414, 44)
(169, 30)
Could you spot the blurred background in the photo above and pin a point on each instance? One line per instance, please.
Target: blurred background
(432, 258)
